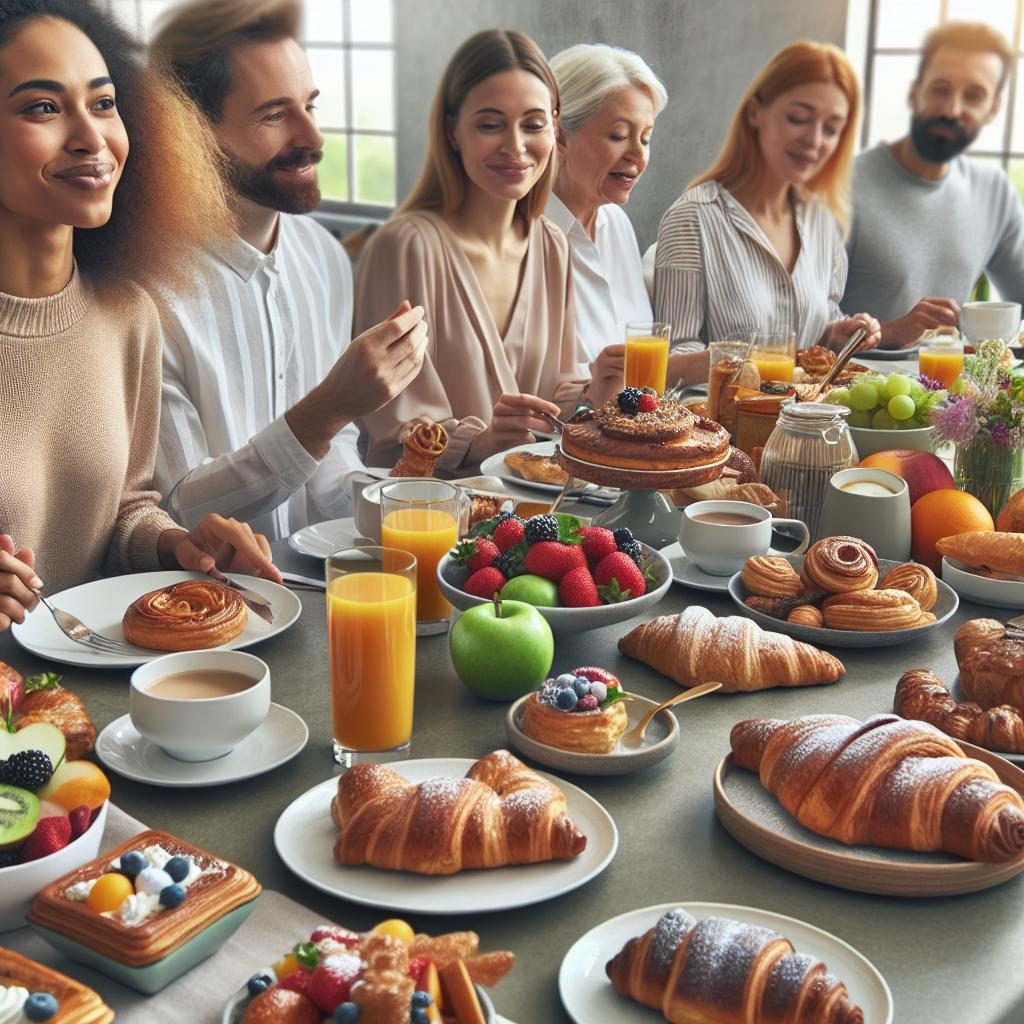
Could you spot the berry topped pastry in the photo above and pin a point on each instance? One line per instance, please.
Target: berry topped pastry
(29, 991)
(580, 711)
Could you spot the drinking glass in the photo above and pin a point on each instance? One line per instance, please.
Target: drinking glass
(774, 354)
(647, 346)
(371, 648)
(942, 359)
(422, 517)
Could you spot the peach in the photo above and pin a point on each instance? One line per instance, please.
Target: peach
(923, 471)
(76, 783)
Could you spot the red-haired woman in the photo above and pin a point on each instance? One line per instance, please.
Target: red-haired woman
(756, 241)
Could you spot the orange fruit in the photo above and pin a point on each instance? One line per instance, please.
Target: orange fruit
(109, 892)
(1011, 519)
(76, 783)
(944, 513)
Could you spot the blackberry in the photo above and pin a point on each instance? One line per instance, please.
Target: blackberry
(629, 400)
(633, 549)
(541, 528)
(502, 516)
(622, 536)
(29, 769)
(509, 564)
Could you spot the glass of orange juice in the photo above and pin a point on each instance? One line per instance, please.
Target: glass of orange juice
(371, 648)
(647, 347)
(942, 359)
(774, 354)
(422, 517)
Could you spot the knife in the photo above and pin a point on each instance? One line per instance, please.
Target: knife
(303, 581)
(259, 604)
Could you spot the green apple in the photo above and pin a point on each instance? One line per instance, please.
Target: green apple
(37, 736)
(502, 649)
(535, 590)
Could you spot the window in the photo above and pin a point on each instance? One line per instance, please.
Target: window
(351, 48)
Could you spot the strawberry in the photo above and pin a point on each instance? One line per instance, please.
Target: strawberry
(578, 589)
(598, 543)
(333, 933)
(648, 402)
(50, 835)
(509, 533)
(485, 582)
(598, 675)
(417, 965)
(331, 980)
(552, 559)
(297, 981)
(81, 819)
(618, 578)
(476, 553)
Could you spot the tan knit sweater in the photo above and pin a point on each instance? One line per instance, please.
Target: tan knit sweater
(79, 412)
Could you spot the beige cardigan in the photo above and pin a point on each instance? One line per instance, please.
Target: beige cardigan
(468, 365)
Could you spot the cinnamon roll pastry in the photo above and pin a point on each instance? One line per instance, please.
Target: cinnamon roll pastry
(869, 611)
(840, 565)
(189, 616)
(771, 576)
(421, 448)
(806, 615)
(917, 580)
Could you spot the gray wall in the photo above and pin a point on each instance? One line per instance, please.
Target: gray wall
(706, 52)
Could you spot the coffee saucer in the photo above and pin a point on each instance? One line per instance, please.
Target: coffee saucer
(282, 735)
(686, 571)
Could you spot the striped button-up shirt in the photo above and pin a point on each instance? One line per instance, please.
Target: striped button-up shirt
(716, 273)
(255, 335)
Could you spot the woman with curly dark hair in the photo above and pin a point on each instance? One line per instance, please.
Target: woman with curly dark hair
(106, 182)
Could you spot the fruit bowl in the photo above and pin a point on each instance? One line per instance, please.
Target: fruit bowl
(451, 576)
(869, 441)
(19, 883)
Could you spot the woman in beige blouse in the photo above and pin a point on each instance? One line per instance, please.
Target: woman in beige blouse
(470, 246)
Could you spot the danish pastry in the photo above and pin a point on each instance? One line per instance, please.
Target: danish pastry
(806, 615)
(917, 580)
(871, 610)
(187, 616)
(771, 576)
(782, 607)
(984, 549)
(840, 565)
(593, 728)
(421, 448)
(21, 977)
(991, 660)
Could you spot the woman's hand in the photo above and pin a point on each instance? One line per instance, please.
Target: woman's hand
(17, 581)
(513, 420)
(839, 332)
(607, 374)
(228, 544)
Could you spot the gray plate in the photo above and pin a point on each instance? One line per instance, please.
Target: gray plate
(945, 606)
(660, 739)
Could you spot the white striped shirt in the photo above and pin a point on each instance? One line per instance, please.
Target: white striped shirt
(717, 274)
(256, 334)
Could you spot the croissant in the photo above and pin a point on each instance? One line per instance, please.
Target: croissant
(1001, 552)
(883, 782)
(719, 971)
(991, 661)
(63, 709)
(501, 813)
(921, 695)
(696, 647)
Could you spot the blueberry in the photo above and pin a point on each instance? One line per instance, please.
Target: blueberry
(347, 1013)
(567, 699)
(259, 983)
(40, 1006)
(172, 896)
(7, 859)
(178, 868)
(581, 686)
(422, 999)
(565, 679)
(132, 863)
(419, 1016)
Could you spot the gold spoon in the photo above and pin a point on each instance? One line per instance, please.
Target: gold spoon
(635, 736)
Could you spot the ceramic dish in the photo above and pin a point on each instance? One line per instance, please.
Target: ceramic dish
(686, 571)
(945, 606)
(660, 739)
(756, 820)
(869, 441)
(281, 737)
(566, 621)
(889, 355)
(305, 836)
(323, 539)
(974, 586)
(102, 603)
(588, 996)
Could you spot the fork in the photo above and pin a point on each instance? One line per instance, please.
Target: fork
(74, 629)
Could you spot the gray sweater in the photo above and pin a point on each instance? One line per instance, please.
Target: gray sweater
(913, 239)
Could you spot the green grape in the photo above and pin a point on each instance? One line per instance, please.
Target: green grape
(883, 421)
(840, 396)
(897, 384)
(901, 407)
(863, 396)
(918, 392)
(860, 419)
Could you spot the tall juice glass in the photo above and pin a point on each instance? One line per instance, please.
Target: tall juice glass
(647, 347)
(774, 354)
(371, 648)
(422, 517)
(942, 360)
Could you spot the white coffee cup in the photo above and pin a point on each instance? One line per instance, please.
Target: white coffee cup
(872, 504)
(720, 548)
(982, 320)
(199, 729)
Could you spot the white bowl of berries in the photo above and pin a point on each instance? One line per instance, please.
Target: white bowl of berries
(577, 577)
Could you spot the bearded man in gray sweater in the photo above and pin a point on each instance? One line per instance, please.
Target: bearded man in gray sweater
(927, 222)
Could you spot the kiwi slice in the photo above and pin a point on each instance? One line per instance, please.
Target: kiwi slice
(19, 812)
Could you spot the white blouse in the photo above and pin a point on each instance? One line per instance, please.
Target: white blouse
(717, 274)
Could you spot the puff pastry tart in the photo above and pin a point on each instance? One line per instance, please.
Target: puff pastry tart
(22, 978)
(917, 580)
(561, 715)
(840, 565)
(771, 576)
(872, 611)
(187, 616)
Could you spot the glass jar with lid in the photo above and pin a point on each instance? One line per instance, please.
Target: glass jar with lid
(810, 442)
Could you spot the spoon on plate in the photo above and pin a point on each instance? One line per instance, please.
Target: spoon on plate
(635, 736)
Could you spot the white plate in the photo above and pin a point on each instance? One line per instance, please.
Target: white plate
(686, 571)
(588, 996)
(101, 606)
(889, 354)
(494, 465)
(305, 836)
(282, 735)
(323, 539)
(983, 589)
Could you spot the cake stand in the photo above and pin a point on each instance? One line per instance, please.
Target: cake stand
(641, 507)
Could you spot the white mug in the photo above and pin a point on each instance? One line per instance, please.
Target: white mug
(982, 320)
(721, 548)
(872, 504)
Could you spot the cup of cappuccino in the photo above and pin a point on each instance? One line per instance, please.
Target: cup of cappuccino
(871, 504)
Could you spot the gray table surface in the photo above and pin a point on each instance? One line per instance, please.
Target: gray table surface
(954, 959)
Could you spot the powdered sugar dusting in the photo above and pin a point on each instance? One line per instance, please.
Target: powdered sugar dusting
(668, 934)
(787, 978)
(719, 959)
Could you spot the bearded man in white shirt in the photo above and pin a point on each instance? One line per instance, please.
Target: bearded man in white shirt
(261, 382)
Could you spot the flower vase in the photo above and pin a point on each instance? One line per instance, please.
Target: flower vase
(989, 471)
